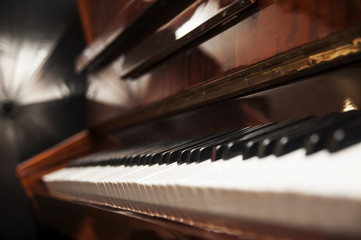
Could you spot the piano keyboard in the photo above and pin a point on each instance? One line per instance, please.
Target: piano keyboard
(302, 173)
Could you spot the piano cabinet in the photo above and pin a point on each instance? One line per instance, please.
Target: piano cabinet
(265, 62)
(82, 220)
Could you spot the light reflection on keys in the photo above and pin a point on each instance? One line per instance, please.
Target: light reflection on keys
(321, 191)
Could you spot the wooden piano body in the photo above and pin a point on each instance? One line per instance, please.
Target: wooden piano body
(245, 63)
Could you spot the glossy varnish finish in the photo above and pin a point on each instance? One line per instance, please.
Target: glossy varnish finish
(97, 16)
(267, 29)
(340, 48)
(190, 24)
(275, 29)
(104, 22)
(31, 171)
(326, 92)
(135, 21)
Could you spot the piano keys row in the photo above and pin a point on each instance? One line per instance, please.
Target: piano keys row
(318, 192)
(332, 132)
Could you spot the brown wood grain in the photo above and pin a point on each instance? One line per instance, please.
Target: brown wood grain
(31, 171)
(193, 22)
(338, 49)
(269, 29)
(85, 20)
(326, 93)
(99, 15)
(131, 24)
(104, 22)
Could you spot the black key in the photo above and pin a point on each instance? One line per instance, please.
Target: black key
(207, 149)
(317, 141)
(142, 160)
(249, 144)
(127, 160)
(141, 155)
(249, 148)
(287, 144)
(165, 158)
(153, 158)
(314, 143)
(231, 150)
(346, 136)
(154, 155)
(224, 148)
(265, 148)
(109, 162)
(218, 152)
(184, 157)
(192, 152)
(205, 153)
(172, 153)
(297, 138)
(174, 156)
(279, 137)
(181, 154)
(194, 155)
(120, 161)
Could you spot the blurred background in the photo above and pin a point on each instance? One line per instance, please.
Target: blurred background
(42, 101)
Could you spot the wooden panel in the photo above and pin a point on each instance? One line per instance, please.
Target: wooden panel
(196, 20)
(31, 171)
(132, 23)
(326, 92)
(270, 29)
(102, 23)
(273, 29)
(341, 48)
(97, 15)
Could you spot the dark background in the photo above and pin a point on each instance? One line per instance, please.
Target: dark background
(41, 99)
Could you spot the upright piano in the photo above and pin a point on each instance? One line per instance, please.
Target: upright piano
(211, 119)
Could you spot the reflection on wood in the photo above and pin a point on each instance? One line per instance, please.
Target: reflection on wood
(198, 19)
(275, 61)
(254, 37)
(123, 32)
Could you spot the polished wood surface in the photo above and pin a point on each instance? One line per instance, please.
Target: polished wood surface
(327, 92)
(193, 22)
(258, 37)
(31, 171)
(122, 32)
(103, 22)
(253, 69)
(268, 29)
(329, 52)
(98, 15)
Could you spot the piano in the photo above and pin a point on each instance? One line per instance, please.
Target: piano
(211, 119)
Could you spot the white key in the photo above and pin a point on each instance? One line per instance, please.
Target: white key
(321, 191)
